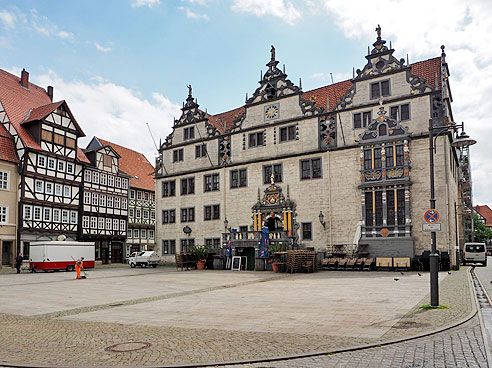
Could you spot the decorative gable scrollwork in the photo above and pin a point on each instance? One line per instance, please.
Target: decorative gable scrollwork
(273, 84)
(327, 131)
(225, 150)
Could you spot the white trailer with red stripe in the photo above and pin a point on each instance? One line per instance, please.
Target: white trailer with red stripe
(60, 255)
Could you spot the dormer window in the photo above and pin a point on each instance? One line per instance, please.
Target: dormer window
(380, 89)
(189, 133)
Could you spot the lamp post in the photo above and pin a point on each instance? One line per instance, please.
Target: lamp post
(462, 141)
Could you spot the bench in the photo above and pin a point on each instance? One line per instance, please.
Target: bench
(402, 263)
(384, 263)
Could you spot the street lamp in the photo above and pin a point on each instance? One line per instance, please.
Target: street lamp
(462, 141)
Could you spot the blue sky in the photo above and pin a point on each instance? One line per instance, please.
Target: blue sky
(123, 63)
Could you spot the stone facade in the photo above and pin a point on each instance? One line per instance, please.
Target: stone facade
(352, 157)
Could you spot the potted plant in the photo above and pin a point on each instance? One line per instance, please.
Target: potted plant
(201, 253)
(274, 263)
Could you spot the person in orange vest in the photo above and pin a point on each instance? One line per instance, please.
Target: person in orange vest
(79, 265)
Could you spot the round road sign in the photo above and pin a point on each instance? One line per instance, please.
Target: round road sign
(431, 216)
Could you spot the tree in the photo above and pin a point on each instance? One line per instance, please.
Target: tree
(482, 232)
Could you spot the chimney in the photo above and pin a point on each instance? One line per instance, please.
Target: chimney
(49, 91)
(24, 79)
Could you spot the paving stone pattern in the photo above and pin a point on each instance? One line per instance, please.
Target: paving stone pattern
(458, 347)
(47, 340)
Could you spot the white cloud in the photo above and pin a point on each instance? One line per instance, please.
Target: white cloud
(43, 26)
(283, 9)
(193, 15)
(115, 113)
(102, 48)
(149, 3)
(8, 19)
(466, 30)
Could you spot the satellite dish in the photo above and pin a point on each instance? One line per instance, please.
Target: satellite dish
(61, 238)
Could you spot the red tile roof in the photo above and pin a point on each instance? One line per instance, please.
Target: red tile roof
(486, 213)
(41, 112)
(427, 69)
(7, 146)
(134, 164)
(18, 103)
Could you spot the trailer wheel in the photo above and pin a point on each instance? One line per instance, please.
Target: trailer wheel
(70, 268)
(154, 265)
(132, 265)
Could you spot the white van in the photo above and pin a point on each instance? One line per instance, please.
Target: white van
(475, 253)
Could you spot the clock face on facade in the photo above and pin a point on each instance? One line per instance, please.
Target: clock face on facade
(271, 112)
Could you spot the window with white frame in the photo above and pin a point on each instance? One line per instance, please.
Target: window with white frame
(136, 233)
(151, 234)
(139, 195)
(51, 163)
(39, 186)
(104, 179)
(48, 188)
(41, 161)
(131, 212)
(111, 180)
(94, 199)
(124, 203)
(37, 213)
(129, 233)
(93, 222)
(65, 216)
(143, 233)
(4, 180)
(117, 202)
(95, 177)
(58, 189)
(47, 214)
(61, 166)
(27, 212)
(4, 214)
(67, 191)
(85, 222)
(122, 225)
(110, 201)
(101, 223)
(152, 215)
(146, 196)
(70, 168)
(87, 176)
(87, 198)
(56, 214)
(132, 194)
(108, 224)
(73, 217)
(118, 182)
(115, 224)
(146, 214)
(138, 213)
(102, 200)
(124, 183)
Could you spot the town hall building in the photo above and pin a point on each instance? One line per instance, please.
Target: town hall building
(343, 168)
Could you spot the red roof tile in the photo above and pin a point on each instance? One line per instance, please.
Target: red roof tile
(134, 164)
(7, 146)
(41, 112)
(18, 102)
(485, 212)
(333, 93)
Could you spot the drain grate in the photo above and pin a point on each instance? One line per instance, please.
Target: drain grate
(128, 346)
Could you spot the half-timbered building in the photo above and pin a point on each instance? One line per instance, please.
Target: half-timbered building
(343, 168)
(141, 195)
(105, 203)
(45, 135)
(9, 185)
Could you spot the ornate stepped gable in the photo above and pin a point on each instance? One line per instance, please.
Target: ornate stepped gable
(380, 61)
